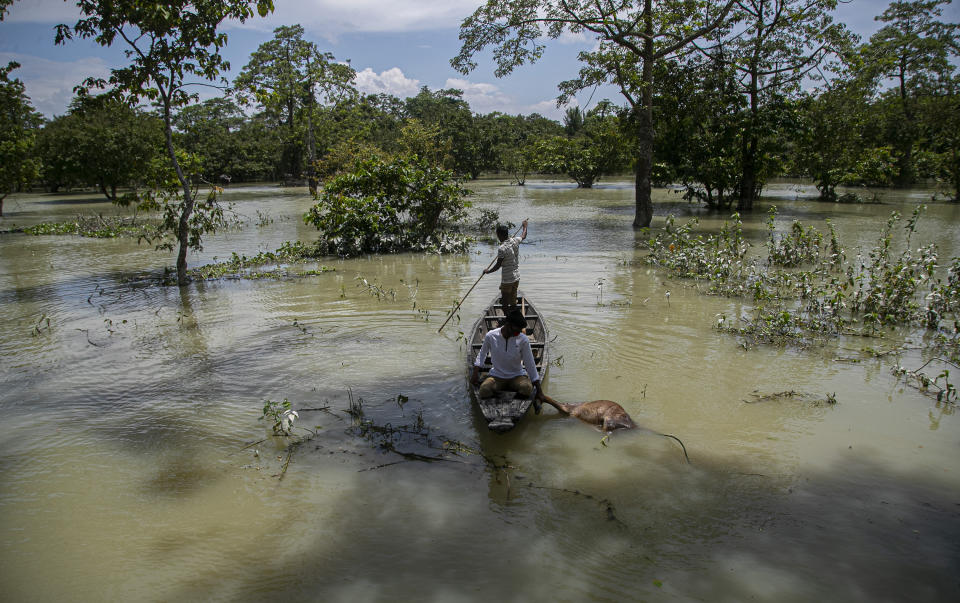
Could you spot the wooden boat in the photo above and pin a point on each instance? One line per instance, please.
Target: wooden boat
(503, 411)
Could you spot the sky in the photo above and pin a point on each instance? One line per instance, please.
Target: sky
(396, 47)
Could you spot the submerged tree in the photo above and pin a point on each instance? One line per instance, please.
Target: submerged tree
(632, 37)
(289, 76)
(18, 128)
(914, 50)
(167, 45)
(385, 206)
(698, 111)
(100, 142)
(773, 45)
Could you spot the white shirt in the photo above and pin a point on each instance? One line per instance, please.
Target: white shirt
(509, 254)
(507, 354)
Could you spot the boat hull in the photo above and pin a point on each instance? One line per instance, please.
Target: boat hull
(503, 411)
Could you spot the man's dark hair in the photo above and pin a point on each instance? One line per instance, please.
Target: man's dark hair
(516, 319)
(502, 231)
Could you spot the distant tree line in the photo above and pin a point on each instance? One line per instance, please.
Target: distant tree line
(755, 90)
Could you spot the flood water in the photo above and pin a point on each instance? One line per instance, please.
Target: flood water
(133, 465)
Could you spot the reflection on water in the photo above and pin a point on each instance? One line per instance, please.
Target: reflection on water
(132, 465)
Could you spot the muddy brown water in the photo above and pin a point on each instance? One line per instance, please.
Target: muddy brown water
(124, 473)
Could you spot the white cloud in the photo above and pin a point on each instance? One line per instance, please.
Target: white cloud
(391, 81)
(548, 108)
(483, 98)
(487, 98)
(49, 83)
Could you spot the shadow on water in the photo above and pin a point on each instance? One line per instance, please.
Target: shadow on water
(706, 531)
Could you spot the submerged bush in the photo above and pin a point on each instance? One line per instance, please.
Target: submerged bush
(805, 290)
(382, 206)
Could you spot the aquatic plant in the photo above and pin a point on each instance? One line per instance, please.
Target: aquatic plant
(800, 246)
(96, 227)
(805, 290)
(280, 416)
(945, 392)
(375, 289)
(239, 265)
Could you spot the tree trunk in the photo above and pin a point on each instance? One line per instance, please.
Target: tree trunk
(183, 227)
(644, 203)
(905, 176)
(1, 205)
(749, 144)
(956, 179)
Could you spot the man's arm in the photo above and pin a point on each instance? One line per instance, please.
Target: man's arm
(495, 266)
(531, 365)
(478, 361)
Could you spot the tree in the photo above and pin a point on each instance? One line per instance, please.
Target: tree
(18, 129)
(230, 146)
(941, 124)
(4, 4)
(699, 117)
(597, 150)
(773, 45)
(450, 114)
(167, 44)
(389, 206)
(632, 37)
(286, 76)
(101, 142)
(832, 140)
(914, 50)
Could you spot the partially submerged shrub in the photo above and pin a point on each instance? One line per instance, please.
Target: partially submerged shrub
(385, 207)
(814, 292)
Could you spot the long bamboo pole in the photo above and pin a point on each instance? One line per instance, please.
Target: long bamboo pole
(474, 285)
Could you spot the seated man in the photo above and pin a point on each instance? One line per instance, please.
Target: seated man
(510, 354)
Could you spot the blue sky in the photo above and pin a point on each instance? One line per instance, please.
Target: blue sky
(396, 46)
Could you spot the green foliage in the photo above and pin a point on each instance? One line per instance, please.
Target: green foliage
(716, 258)
(231, 147)
(290, 79)
(385, 207)
(279, 416)
(885, 291)
(242, 266)
(598, 149)
(100, 143)
(800, 246)
(96, 227)
(449, 132)
(18, 128)
(874, 167)
(803, 306)
(918, 53)
(629, 43)
(699, 129)
(168, 44)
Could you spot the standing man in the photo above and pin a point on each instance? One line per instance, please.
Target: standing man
(514, 368)
(508, 258)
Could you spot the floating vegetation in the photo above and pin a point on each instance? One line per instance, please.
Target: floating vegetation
(280, 416)
(97, 227)
(241, 266)
(829, 400)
